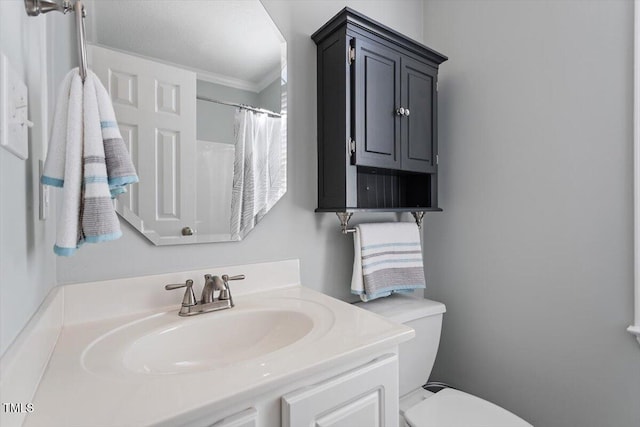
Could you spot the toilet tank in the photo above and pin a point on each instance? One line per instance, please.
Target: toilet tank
(416, 356)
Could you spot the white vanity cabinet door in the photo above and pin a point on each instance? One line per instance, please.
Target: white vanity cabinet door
(246, 418)
(365, 396)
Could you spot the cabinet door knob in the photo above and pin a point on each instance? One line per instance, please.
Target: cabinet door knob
(400, 111)
(406, 112)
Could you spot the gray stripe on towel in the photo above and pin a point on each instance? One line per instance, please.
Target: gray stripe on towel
(390, 253)
(98, 217)
(393, 277)
(118, 160)
(93, 159)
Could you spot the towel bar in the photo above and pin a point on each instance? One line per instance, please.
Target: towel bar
(344, 218)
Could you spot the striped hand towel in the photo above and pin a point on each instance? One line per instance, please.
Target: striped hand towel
(76, 162)
(120, 169)
(99, 219)
(387, 259)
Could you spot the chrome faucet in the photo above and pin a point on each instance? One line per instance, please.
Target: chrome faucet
(211, 284)
(208, 302)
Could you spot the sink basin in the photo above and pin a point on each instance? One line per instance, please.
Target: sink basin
(164, 343)
(214, 343)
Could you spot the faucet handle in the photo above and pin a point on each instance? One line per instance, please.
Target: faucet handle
(189, 298)
(172, 286)
(226, 278)
(225, 294)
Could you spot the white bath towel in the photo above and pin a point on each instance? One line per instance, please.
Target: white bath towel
(56, 152)
(387, 259)
(76, 162)
(63, 166)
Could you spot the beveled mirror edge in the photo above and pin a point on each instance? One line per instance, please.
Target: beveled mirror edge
(158, 240)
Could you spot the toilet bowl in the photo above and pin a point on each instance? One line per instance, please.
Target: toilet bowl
(419, 407)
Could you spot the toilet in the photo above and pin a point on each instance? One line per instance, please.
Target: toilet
(419, 407)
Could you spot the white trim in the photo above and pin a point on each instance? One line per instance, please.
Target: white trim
(269, 78)
(635, 328)
(223, 80)
(207, 76)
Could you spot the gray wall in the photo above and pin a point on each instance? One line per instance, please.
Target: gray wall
(533, 252)
(215, 122)
(27, 264)
(291, 229)
(270, 97)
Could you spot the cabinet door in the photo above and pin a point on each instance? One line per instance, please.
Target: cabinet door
(377, 96)
(365, 396)
(418, 147)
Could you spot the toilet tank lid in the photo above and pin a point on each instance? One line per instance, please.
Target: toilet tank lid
(403, 308)
(454, 408)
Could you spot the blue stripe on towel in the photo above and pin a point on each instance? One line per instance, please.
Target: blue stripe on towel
(64, 251)
(103, 237)
(398, 288)
(108, 124)
(54, 182)
(123, 180)
(58, 250)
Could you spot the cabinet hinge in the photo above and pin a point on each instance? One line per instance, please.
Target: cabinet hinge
(437, 159)
(351, 56)
(351, 146)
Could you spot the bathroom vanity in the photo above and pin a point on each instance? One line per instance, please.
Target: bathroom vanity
(283, 355)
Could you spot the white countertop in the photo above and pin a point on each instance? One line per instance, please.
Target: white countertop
(71, 393)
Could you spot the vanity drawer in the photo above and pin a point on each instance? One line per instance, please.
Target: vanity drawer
(367, 395)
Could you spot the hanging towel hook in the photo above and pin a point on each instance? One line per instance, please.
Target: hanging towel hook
(36, 7)
(80, 11)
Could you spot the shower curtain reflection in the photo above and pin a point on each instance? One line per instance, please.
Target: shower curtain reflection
(259, 177)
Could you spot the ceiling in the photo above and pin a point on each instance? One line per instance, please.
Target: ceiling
(232, 40)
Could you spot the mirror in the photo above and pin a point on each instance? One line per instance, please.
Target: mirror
(199, 91)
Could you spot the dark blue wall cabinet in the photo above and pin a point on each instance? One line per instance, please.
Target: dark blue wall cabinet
(377, 118)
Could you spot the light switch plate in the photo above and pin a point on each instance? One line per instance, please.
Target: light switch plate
(14, 123)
